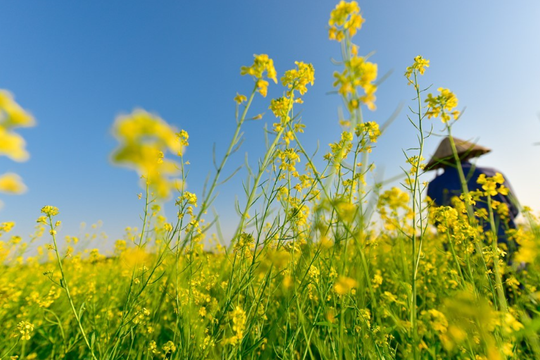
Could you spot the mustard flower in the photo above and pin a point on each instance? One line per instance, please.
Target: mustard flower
(280, 107)
(144, 139)
(6, 226)
(183, 136)
(49, 210)
(344, 19)
(492, 185)
(240, 98)
(238, 317)
(12, 183)
(12, 116)
(442, 105)
(262, 64)
(358, 73)
(26, 329)
(344, 285)
(190, 198)
(369, 128)
(420, 64)
(297, 79)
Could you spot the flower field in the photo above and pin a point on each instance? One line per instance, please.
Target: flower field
(324, 263)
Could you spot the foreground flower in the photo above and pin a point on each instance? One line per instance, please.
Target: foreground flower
(12, 116)
(144, 140)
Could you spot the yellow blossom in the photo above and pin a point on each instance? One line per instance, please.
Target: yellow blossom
(240, 98)
(12, 183)
(344, 285)
(261, 64)
(144, 138)
(345, 19)
(26, 329)
(420, 64)
(442, 105)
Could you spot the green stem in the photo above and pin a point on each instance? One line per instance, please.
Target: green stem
(65, 286)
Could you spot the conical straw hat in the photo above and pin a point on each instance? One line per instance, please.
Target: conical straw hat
(444, 156)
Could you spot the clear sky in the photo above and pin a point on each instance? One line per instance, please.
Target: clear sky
(76, 65)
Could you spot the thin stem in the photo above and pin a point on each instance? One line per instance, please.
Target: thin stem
(65, 286)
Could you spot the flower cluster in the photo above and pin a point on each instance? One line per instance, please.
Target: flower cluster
(492, 185)
(144, 139)
(12, 144)
(238, 317)
(442, 105)
(345, 19)
(13, 116)
(358, 73)
(297, 79)
(420, 64)
(294, 79)
(261, 64)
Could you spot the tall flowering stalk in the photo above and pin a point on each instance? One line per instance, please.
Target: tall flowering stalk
(416, 188)
(49, 213)
(294, 80)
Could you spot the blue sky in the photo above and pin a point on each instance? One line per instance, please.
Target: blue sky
(77, 65)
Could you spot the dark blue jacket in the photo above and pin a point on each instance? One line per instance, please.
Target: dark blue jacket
(447, 185)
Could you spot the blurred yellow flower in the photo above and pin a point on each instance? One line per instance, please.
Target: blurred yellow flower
(358, 73)
(50, 210)
(144, 139)
(26, 329)
(240, 98)
(11, 114)
(344, 285)
(12, 183)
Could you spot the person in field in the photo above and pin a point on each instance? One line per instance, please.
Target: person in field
(447, 184)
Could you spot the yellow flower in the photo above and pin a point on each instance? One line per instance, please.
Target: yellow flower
(11, 114)
(12, 183)
(50, 210)
(261, 64)
(297, 79)
(344, 19)
(280, 107)
(489, 184)
(240, 98)
(12, 145)
(239, 318)
(26, 329)
(442, 105)
(144, 139)
(420, 65)
(184, 136)
(344, 285)
(262, 87)
(190, 198)
(358, 73)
